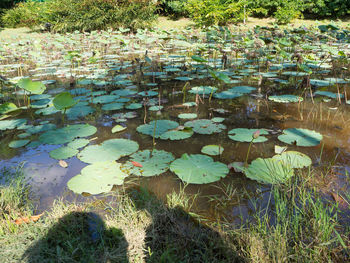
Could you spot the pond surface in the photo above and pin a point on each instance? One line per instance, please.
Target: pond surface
(150, 76)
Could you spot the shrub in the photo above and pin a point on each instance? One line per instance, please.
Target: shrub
(215, 12)
(82, 15)
(173, 8)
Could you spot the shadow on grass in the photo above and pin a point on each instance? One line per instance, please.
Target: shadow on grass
(175, 236)
(79, 237)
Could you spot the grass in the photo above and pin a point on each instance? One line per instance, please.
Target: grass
(297, 225)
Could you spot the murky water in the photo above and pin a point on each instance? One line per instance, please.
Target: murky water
(49, 179)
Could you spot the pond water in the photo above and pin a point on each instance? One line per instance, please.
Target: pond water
(109, 73)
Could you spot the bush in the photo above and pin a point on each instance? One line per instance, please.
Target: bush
(287, 12)
(215, 12)
(82, 15)
(173, 8)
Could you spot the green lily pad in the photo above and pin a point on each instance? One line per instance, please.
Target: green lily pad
(64, 152)
(285, 98)
(152, 165)
(301, 137)
(246, 135)
(109, 150)
(206, 90)
(269, 171)
(104, 99)
(113, 106)
(18, 143)
(177, 134)
(7, 107)
(97, 178)
(212, 150)
(294, 159)
(134, 106)
(78, 143)
(157, 127)
(198, 169)
(205, 126)
(155, 108)
(33, 87)
(118, 128)
(67, 134)
(187, 116)
(328, 94)
(63, 101)
(11, 124)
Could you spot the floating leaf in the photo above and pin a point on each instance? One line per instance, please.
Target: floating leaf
(301, 137)
(198, 169)
(204, 126)
(109, 150)
(7, 107)
(118, 128)
(246, 135)
(177, 134)
(285, 98)
(97, 178)
(64, 152)
(63, 101)
(294, 159)
(149, 163)
(157, 128)
(31, 86)
(187, 116)
(18, 143)
(212, 150)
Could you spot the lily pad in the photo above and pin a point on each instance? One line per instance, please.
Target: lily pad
(206, 90)
(113, 106)
(187, 116)
(63, 101)
(18, 143)
(33, 87)
(205, 126)
(177, 134)
(97, 178)
(301, 137)
(157, 128)
(246, 135)
(198, 169)
(285, 98)
(294, 159)
(63, 152)
(109, 150)
(118, 128)
(153, 163)
(269, 171)
(78, 143)
(212, 150)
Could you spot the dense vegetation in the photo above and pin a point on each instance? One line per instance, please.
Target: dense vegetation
(87, 15)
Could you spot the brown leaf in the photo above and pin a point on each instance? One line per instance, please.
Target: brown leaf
(340, 200)
(63, 164)
(22, 220)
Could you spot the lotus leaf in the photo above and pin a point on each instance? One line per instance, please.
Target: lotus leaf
(300, 137)
(157, 128)
(109, 150)
(149, 93)
(97, 178)
(177, 134)
(204, 126)
(212, 150)
(12, 124)
(79, 112)
(155, 108)
(285, 98)
(63, 152)
(7, 107)
(67, 134)
(153, 162)
(113, 106)
(187, 116)
(33, 87)
(206, 90)
(242, 89)
(328, 94)
(118, 128)
(18, 143)
(294, 159)
(104, 99)
(78, 143)
(198, 169)
(246, 135)
(134, 106)
(227, 95)
(63, 101)
(269, 171)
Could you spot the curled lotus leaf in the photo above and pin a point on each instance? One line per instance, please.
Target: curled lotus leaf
(301, 137)
(109, 150)
(246, 135)
(205, 126)
(33, 87)
(198, 169)
(97, 178)
(153, 162)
